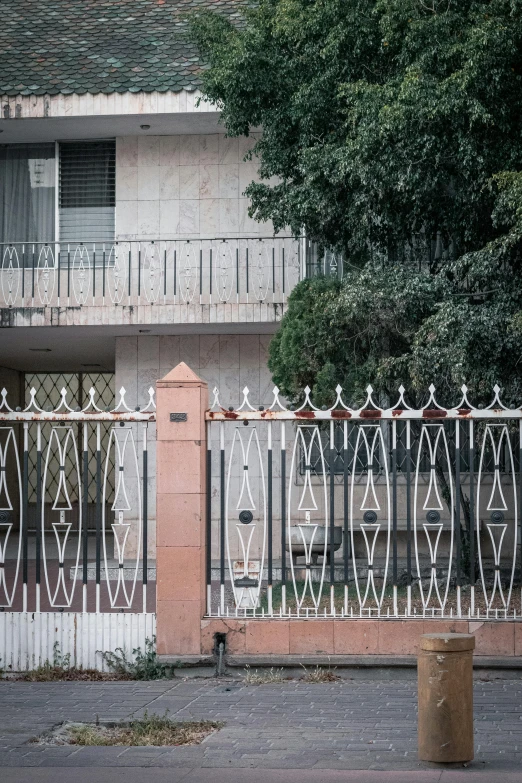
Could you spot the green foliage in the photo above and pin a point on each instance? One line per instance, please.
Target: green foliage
(143, 666)
(393, 325)
(381, 118)
(353, 333)
(391, 131)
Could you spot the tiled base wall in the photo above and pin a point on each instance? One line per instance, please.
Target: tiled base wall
(353, 637)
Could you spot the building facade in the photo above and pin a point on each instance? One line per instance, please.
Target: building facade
(126, 242)
(127, 250)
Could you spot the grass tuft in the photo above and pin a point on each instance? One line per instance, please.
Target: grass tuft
(263, 677)
(60, 669)
(319, 674)
(49, 673)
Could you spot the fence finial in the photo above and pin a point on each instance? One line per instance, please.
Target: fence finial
(151, 403)
(277, 401)
(215, 401)
(338, 400)
(307, 401)
(3, 403)
(401, 402)
(496, 399)
(122, 403)
(432, 402)
(32, 401)
(246, 402)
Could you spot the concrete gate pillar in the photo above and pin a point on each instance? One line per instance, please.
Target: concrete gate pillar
(182, 399)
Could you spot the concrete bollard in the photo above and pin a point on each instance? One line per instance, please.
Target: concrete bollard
(445, 693)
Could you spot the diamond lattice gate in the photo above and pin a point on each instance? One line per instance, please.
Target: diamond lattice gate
(74, 513)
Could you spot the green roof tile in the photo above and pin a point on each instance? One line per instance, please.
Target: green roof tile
(68, 46)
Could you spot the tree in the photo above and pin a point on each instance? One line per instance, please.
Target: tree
(391, 324)
(391, 132)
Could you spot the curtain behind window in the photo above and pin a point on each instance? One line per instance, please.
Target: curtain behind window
(87, 191)
(27, 193)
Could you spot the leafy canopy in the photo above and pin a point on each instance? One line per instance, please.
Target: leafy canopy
(392, 130)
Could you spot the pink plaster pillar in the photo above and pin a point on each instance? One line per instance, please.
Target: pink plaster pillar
(180, 495)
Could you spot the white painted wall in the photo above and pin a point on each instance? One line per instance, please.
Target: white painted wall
(185, 186)
(27, 639)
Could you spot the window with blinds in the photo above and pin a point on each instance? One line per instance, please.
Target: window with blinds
(87, 194)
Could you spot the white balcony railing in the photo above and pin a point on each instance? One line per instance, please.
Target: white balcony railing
(191, 272)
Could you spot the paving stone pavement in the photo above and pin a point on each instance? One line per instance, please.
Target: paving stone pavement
(346, 725)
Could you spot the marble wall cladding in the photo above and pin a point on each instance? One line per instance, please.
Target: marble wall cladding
(185, 187)
(226, 361)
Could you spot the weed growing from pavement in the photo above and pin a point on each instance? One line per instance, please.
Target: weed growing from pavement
(319, 674)
(263, 677)
(143, 666)
(60, 669)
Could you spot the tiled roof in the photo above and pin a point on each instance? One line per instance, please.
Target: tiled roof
(99, 46)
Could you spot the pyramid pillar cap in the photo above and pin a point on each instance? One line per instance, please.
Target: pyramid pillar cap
(181, 375)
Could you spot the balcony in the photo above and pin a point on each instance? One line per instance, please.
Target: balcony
(149, 281)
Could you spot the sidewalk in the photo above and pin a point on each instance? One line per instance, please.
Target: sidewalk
(281, 733)
(159, 775)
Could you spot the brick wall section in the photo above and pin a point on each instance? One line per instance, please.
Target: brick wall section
(180, 497)
(354, 637)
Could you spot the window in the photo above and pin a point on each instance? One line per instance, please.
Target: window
(87, 191)
(27, 193)
(86, 199)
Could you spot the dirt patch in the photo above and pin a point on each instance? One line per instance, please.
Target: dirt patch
(150, 730)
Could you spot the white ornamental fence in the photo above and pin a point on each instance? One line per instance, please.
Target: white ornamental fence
(74, 515)
(195, 271)
(367, 511)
